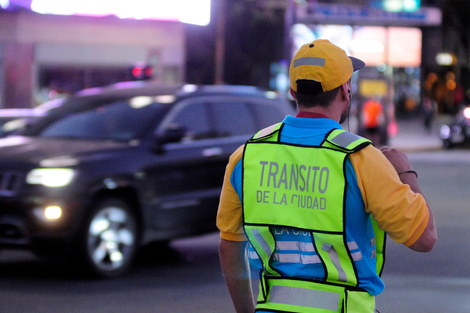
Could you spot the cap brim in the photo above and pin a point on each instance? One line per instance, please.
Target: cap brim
(357, 64)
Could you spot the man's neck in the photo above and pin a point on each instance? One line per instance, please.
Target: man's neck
(311, 115)
(316, 110)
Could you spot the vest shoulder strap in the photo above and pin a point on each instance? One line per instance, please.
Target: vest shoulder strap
(267, 132)
(345, 140)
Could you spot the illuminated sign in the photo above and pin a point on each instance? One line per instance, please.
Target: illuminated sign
(321, 13)
(399, 5)
(376, 46)
(187, 11)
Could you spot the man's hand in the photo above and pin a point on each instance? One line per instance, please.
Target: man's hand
(398, 159)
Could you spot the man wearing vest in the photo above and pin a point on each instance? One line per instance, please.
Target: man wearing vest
(310, 203)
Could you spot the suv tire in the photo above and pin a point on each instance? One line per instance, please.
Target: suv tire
(109, 239)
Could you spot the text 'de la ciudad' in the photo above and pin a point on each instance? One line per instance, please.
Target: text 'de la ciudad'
(294, 185)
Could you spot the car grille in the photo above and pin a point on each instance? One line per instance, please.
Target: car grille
(10, 183)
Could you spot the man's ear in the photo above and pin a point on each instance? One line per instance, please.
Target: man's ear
(292, 93)
(345, 91)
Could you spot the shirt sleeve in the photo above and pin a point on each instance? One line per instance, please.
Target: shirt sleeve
(230, 214)
(400, 212)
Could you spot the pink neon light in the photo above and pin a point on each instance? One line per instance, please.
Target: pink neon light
(186, 11)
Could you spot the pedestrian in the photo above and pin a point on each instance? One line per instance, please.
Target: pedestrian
(314, 202)
(373, 117)
(429, 109)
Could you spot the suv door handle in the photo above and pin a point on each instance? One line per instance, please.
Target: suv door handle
(212, 152)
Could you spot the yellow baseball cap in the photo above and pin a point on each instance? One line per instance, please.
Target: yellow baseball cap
(323, 62)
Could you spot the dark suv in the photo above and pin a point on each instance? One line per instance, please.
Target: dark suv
(115, 168)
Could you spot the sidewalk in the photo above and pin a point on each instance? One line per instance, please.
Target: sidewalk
(412, 136)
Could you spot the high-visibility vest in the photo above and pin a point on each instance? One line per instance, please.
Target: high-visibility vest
(303, 188)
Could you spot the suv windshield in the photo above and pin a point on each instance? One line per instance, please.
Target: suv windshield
(120, 120)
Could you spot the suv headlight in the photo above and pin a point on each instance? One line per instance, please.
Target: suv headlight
(50, 177)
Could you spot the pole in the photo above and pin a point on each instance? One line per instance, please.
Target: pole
(220, 45)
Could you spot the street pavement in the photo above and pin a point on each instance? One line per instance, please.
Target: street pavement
(412, 136)
(417, 282)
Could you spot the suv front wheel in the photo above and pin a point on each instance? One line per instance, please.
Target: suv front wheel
(109, 240)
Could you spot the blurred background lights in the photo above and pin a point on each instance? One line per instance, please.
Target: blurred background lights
(466, 112)
(187, 11)
(445, 59)
(4, 4)
(189, 88)
(140, 102)
(165, 99)
(401, 5)
(382, 67)
(366, 46)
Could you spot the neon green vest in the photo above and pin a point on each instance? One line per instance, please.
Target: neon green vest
(303, 187)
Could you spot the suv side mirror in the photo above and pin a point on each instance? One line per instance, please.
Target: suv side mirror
(170, 135)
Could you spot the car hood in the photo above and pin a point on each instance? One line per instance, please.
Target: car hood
(35, 149)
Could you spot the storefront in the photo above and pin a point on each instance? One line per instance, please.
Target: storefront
(42, 56)
(391, 44)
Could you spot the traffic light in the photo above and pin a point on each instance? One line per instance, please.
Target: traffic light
(142, 72)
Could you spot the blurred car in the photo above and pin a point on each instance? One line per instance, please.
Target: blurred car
(14, 120)
(123, 166)
(457, 133)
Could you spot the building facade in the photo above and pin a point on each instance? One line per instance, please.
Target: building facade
(44, 53)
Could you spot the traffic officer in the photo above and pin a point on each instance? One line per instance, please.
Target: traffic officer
(310, 203)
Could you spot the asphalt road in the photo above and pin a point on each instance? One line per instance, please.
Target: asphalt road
(185, 277)
(438, 281)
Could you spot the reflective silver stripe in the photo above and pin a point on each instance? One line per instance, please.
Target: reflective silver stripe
(260, 239)
(345, 139)
(305, 297)
(335, 260)
(356, 256)
(352, 245)
(374, 251)
(309, 61)
(266, 131)
(295, 245)
(296, 258)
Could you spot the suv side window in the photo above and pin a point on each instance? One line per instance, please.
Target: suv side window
(194, 119)
(267, 114)
(232, 119)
